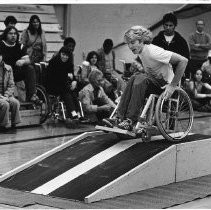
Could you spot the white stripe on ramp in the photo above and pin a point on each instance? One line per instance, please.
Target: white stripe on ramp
(83, 167)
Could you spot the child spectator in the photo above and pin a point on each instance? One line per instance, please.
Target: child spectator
(58, 83)
(33, 39)
(200, 93)
(96, 104)
(7, 100)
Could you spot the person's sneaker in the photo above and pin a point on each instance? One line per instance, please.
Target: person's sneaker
(111, 122)
(84, 120)
(126, 125)
(35, 99)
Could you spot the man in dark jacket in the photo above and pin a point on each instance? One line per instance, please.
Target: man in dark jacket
(171, 40)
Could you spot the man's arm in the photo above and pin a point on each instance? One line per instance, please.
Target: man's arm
(180, 62)
(207, 45)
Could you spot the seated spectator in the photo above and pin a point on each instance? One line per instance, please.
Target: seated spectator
(18, 59)
(7, 100)
(206, 70)
(107, 65)
(33, 39)
(200, 93)
(82, 75)
(58, 83)
(96, 104)
(91, 64)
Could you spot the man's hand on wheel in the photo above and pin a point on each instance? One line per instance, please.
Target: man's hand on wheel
(169, 90)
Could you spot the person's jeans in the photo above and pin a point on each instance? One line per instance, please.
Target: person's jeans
(28, 75)
(12, 105)
(138, 88)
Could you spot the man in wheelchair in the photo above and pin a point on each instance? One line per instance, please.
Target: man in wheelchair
(158, 75)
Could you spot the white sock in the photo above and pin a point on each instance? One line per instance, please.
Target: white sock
(74, 113)
(79, 114)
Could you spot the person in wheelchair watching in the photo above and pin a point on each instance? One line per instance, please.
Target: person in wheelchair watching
(158, 76)
(58, 83)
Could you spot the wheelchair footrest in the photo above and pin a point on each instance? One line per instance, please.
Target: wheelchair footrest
(115, 130)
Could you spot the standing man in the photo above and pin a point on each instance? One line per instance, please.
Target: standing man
(171, 40)
(200, 44)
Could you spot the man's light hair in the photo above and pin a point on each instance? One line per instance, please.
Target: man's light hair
(138, 33)
(93, 75)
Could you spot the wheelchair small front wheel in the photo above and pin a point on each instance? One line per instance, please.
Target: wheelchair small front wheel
(44, 105)
(174, 117)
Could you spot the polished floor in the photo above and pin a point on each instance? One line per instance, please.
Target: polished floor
(28, 143)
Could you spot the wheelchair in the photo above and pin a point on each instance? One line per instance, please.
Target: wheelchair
(173, 118)
(54, 107)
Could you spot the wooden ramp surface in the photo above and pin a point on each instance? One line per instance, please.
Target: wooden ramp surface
(78, 170)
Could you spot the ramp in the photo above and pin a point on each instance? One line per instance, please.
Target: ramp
(95, 166)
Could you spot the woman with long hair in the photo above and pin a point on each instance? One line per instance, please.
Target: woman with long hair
(200, 93)
(33, 39)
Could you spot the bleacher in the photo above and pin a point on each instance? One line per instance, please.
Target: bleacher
(53, 32)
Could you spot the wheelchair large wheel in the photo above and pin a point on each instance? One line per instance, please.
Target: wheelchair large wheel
(174, 117)
(44, 105)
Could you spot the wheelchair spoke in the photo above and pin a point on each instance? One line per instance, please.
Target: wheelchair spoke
(174, 116)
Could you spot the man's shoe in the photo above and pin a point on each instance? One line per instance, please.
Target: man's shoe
(126, 125)
(111, 122)
(84, 120)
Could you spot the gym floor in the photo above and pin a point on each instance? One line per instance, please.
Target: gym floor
(27, 143)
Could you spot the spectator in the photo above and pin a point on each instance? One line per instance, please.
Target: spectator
(7, 99)
(200, 44)
(18, 59)
(58, 83)
(171, 40)
(96, 104)
(200, 93)
(107, 65)
(92, 61)
(33, 39)
(206, 69)
(10, 21)
(159, 75)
